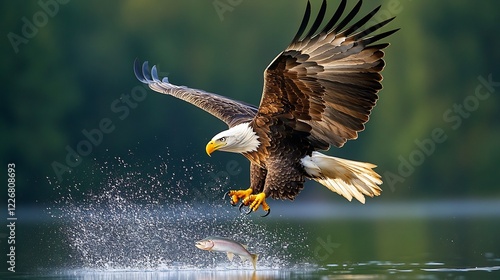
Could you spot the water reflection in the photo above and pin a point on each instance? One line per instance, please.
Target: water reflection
(363, 270)
(179, 274)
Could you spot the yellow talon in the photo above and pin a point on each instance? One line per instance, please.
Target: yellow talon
(257, 200)
(236, 195)
(248, 199)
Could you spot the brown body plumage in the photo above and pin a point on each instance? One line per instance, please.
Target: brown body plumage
(318, 92)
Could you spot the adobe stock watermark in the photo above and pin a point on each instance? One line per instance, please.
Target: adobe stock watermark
(454, 116)
(31, 25)
(91, 138)
(325, 248)
(223, 6)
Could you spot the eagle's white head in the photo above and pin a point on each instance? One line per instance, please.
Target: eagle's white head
(238, 139)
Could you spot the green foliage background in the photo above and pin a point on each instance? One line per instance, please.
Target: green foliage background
(65, 78)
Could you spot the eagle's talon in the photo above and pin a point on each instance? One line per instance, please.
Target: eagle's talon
(254, 202)
(268, 212)
(232, 202)
(241, 206)
(248, 212)
(237, 195)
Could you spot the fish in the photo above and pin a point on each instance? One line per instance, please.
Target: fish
(231, 247)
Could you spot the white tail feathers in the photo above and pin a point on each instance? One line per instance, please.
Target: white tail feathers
(345, 177)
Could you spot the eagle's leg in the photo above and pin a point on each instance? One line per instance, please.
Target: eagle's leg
(256, 200)
(236, 195)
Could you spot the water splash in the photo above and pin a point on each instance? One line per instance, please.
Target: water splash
(144, 216)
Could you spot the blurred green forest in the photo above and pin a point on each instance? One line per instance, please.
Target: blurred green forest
(68, 65)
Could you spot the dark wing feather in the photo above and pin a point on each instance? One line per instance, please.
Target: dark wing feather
(230, 111)
(326, 83)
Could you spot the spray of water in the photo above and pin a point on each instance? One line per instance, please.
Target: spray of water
(144, 216)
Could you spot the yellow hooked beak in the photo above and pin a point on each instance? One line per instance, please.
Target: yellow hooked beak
(213, 146)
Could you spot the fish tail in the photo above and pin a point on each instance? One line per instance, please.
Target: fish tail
(254, 260)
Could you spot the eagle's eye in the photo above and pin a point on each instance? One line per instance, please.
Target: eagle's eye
(222, 139)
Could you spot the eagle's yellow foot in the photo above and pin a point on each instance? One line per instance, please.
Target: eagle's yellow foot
(239, 194)
(254, 201)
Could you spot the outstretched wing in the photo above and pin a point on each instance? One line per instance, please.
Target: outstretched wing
(230, 111)
(325, 83)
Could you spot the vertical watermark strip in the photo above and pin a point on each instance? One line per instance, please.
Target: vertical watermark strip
(11, 218)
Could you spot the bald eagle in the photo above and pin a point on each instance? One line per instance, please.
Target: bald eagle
(318, 92)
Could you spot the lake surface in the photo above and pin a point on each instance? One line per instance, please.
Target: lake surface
(141, 220)
(111, 237)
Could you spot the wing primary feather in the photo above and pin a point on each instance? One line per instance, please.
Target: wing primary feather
(145, 72)
(232, 112)
(154, 74)
(336, 16)
(138, 71)
(303, 25)
(361, 22)
(375, 38)
(318, 21)
(349, 16)
(372, 29)
(326, 82)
